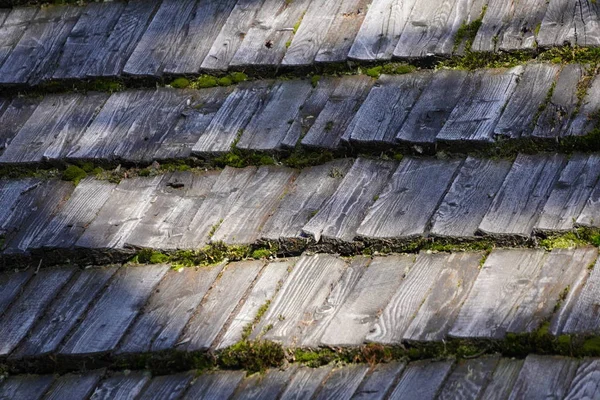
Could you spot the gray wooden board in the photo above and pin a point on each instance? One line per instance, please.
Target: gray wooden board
(38, 49)
(583, 123)
(87, 36)
(122, 386)
(570, 193)
(171, 209)
(382, 114)
(433, 107)
(422, 380)
(169, 309)
(337, 115)
(108, 319)
(14, 117)
(517, 205)
(199, 34)
(468, 379)
(30, 305)
(272, 277)
(75, 216)
(381, 29)
(447, 295)
(178, 140)
(468, 199)
(11, 286)
(212, 314)
(497, 19)
(585, 382)
(555, 118)
(120, 214)
(25, 387)
(339, 293)
(305, 383)
(399, 312)
(167, 387)
(231, 119)
(74, 386)
(223, 195)
(13, 28)
(567, 22)
(475, 116)
(379, 381)
(354, 318)
(591, 210)
(336, 44)
(267, 386)
(503, 379)
(305, 196)
(64, 312)
(544, 377)
(270, 124)
(214, 385)
(254, 206)
(341, 215)
(14, 193)
(265, 43)
(517, 119)
(502, 283)
(584, 317)
(342, 382)
(161, 39)
(520, 33)
(406, 204)
(307, 287)
(232, 34)
(3, 15)
(311, 33)
(110, 58)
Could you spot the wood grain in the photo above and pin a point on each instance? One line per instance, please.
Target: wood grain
(121, 386)
(497, 19)
(584, 384)
(25, 387)
(167, 387)
(14, 117)
(13, 28)
(544, 377)
(305, 382)
(584, 317)
(582, 123)
(503, 379)
(74, 386)
(469, 378)
(11, 286)
(342, 382)
(421, 379)
(267, 386)
(379, 381)
(214, 385)
(525, 20)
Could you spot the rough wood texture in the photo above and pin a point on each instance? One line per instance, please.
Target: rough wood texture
(584, 316)
(13, 28)
(379, 381)
(25, 387)
(469, 379)
(570, 193)
(64, 313)
(168, 309)
(475, 116)
(422, 380)
(496, 20)
(503, 379)
(11, 286)
(386, 107)
(516, 208)
(544, 377)
(591, 210)
(267, 386)
(14, 117)
(342, 382)
(305, 196)
(585, 382)
(447, 295)
(307, 287)
(305, 383)
(167, 387)
(74, 386)
(572, 23)
(583, 122)
(406, 204)
(429, 114)
(341, 215)
(500, 287)
(209, 318)
(381, 29)
(518, 117)
(254, 206)
(470, 196)
(121, 386)
(108, 319)
(14, 197)
(215, 385)
(525, 20)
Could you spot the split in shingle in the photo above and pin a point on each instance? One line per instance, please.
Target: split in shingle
(543, 377)
(469, 378)
(125, 386)
(166, 387)
(421, 379)
(267, 386)
(211, 385)
(305, 382)
(74, 386)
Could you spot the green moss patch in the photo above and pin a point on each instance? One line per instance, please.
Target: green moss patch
(74, 174)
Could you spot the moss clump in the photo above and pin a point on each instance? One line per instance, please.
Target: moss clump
(591, 347)
(397, 69)
(238, 77)
(314, 81)
(262, 253)
(147, 256)
(225, 81)
(180, 83)
(205, 81)
(579, 238)
(467, 31)
(253, 356)
(74, 174)
(374, 72)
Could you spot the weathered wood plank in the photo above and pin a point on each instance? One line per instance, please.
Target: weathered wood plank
(497, 18)
(307, 287)
(381, 29)
(502, 282)
(25, 387)
(583, 123)
(13, 28)
(433, 107)
(447, 295)
(169, 309)
(108, 319)
(337, 115)
(591, 210)
(34, 299)
(570, 193)
(11, 286)
(305, 196)
(572, 23)
(517, 119)
(585, 382)
(74, 386)
(262, 293)
(64, 313)
(503, 379)
(521, 33)
(342, 382)
(305, 383)
(584, 317)
(475, 116)
(379, 381)
(385, 109)
(267, 386)
(212, 314)
(469, 379)
(406, 204)
(167, 387)
(121, 385)
(470, 196)
(120, 214)
(15, 195)
(517, 205)
(544, 377)
(214, 385)
(270, 124)
(341, 215)
(422, 380)
(14, 117)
